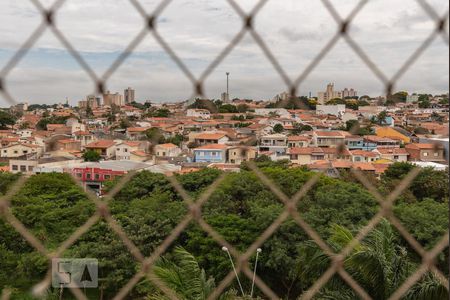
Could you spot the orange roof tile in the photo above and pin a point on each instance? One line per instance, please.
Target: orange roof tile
(100, 144)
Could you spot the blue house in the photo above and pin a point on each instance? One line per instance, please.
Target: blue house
(212, 153)
(359, 143)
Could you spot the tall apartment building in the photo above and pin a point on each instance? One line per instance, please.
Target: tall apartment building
(110, 99)
(349, 93)
(93, 101)
(330, 94)
(129, 95)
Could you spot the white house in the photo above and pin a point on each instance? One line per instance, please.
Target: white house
(335, 110)
(198, 113)
(167, 150)
(18, 150)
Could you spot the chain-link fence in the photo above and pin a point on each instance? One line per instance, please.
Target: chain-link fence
(194, 213)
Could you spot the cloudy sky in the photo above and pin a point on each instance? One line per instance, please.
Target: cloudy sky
(197, 30)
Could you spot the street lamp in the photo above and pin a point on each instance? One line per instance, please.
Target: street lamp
(259, 250)
(234, 269)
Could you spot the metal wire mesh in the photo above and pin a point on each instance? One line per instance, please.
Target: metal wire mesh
(194, 212)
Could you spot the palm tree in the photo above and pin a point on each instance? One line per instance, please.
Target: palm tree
(185, 277)
(379, 264)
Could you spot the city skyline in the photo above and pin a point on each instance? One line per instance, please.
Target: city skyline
(49, 74)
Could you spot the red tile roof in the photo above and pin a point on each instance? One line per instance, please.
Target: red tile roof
(100, 144)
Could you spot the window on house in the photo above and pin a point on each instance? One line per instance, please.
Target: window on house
(97, 176)
(395, 156)
(125, 150)
(107, 177)
(214, 153)
(436, 154)
(88, 176)
(425, 154)
(15, 151)
(15, 167)
(30, 168)
(79, 175)
(23, 168)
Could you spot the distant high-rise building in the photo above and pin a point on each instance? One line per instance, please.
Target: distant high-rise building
(330, 94)
(93, 101)
(349, 93)
(110, 99)
(129, 95)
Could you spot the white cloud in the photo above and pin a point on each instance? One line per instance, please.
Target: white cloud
(295, 31)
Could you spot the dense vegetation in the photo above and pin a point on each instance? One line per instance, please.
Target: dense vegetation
(148, 208)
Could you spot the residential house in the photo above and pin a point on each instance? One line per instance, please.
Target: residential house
(328, 138)
(199, 113)
(106, 148)
(19, 150)
(213, 153)
(124, 149)
(393, 154)
(356, 142)
(364, 156)
(85, 137)
(67, 145)
(305, 156)
(426, 152)
(239, 154)
(167, 150)
(393, 132)
(298, 141)
(276, 143)
(135, 133)
(210, 138)
(383, 142)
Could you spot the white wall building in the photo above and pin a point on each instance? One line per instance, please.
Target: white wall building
(335, 110)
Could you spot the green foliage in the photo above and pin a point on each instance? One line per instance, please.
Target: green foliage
(228, 108)
(42, 124)
(148, 208)
(51, 206)
(427, 220)
(242, 108)
(176, 139)
(354, 127)
(6, 119)
(89, 112)
(155, 135)
(124, 123)
(299, 128)
(278, 128)
(6, 179)
(162, 113)
(91, 155)
(429, 183)
(379, 264)
(209, 105)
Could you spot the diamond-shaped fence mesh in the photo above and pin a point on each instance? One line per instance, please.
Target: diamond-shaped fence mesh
(194, 213)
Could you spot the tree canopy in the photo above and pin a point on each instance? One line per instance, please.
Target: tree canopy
(148, 208)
